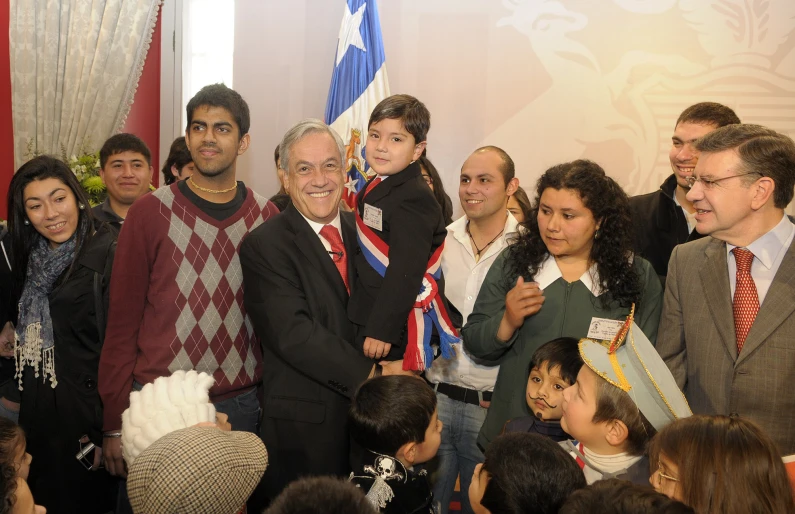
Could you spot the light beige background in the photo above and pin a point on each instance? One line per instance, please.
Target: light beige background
(549, 81)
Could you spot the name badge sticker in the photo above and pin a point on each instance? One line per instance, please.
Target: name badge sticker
(604, 329)
(372, 217)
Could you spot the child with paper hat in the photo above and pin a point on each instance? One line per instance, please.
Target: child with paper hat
(623, 395)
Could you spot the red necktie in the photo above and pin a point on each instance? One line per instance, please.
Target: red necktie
(332, 235)
(746, 299)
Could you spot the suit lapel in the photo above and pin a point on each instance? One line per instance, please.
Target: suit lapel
(717, 294)
(308, 243)
(777, 306)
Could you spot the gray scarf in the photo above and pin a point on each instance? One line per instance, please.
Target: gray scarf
(35, 343)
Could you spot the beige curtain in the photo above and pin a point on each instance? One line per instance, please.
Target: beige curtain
(75, 65)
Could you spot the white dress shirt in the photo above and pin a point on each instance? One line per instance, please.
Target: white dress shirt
(769, 251)
(689, 216)
(463, 277)
(317, 227)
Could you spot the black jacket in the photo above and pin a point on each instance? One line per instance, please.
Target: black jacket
(103, 213)
(411, 490)
(8, 388)
(55, 419)
(6, 278)
(413, 227)
(660, 225)
(297, 301)
(533, 425)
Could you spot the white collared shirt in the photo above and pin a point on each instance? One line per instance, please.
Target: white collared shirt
(550, 272)
(317, 227)
(463, 277)
(690, 217)
(769, 251)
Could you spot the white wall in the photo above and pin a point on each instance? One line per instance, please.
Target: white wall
(549, 81)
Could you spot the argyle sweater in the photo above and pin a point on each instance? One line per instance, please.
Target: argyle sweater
(176, 299)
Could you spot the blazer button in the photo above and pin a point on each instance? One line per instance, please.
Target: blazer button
(90, 384)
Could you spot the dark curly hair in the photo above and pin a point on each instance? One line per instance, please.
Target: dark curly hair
(11, 436)
(612, 247)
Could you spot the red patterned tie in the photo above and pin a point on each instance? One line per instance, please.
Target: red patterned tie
(746, 299)
(332, 235)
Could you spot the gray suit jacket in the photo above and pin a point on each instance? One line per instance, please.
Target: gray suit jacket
(697, 341)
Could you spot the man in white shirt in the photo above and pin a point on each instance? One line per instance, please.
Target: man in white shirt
(464, 385)
(727, 321)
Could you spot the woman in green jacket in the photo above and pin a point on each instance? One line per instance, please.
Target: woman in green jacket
(571, 268)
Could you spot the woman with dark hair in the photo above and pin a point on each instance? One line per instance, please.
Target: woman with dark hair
(434, 181)
(570, 268)
(519, 205)
(179, 164)
(61, 275)
(720, 465)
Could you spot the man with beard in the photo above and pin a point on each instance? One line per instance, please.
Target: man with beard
(176, 298)
(665, 218)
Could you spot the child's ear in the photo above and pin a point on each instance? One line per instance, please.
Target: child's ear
(407, 453)
(616, 433)
(418, 149)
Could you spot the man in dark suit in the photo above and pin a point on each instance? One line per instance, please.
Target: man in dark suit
(297, 271)
(727, 325)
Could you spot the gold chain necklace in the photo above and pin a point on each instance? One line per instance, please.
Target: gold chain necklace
(212, 191)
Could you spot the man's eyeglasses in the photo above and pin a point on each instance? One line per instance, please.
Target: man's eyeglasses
(707, 183)
(662, 475)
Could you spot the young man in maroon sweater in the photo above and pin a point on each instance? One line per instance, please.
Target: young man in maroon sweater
(176, 297)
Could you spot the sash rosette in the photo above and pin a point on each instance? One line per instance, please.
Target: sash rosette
(428, 311)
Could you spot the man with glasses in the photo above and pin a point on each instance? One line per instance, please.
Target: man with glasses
(727, 324)
(666, 218)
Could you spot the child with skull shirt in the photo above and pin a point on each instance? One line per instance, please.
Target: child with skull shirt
(394, 422)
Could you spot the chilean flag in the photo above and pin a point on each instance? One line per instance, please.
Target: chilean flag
(358, 83)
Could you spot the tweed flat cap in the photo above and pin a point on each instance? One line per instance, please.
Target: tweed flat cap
(197, 470)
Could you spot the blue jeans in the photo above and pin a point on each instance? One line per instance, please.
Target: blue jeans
(243, 411)
(459, 453)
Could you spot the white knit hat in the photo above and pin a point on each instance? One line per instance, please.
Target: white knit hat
(170, 403)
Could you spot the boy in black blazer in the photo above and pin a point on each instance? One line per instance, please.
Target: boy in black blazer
(401, 233)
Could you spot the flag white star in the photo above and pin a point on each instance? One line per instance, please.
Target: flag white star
(351, 186)
(349, 32)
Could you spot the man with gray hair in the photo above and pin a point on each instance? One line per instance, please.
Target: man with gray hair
(727, 321)
(297, 274)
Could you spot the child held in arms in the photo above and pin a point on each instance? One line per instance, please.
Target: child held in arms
(622, 396)
(398, 302)
(394, 421)
(553, 368)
